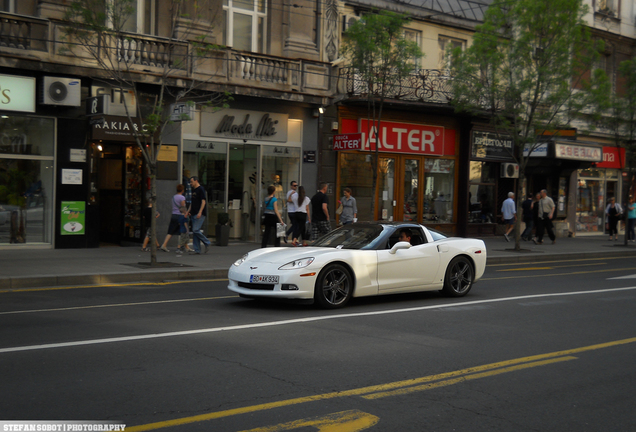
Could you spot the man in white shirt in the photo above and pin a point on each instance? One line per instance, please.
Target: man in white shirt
(546, 213)
(509, 211)
(291, 208)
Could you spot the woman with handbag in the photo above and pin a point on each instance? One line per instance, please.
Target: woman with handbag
(301, 201)
(272, 217)
(349, 208)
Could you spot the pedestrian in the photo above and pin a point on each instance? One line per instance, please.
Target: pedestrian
(272, 217)
(301, 202)
(184, 237)
(178, 201)
(546, 212)
(349, 208)
(198, 212)
(147, 217)
(291, 209)
(509, 211)
(631, 219)
(320, 212)
(613, 211)
(535, 213)
(528, 218)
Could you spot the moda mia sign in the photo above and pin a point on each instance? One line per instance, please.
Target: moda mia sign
(245, 125)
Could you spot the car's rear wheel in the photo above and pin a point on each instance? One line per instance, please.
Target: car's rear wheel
(333, 287)
(459, 277)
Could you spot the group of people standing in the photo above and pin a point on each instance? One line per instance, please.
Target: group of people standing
(301, 210)
(538, 211)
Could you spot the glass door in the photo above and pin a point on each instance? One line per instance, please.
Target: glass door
(410, 190)
(386, 189)
(244, 191)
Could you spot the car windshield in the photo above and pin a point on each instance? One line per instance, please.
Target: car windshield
(437, 235)
(354, 236)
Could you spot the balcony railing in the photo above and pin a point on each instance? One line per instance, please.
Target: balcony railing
(143, 53)
(424, 85)
(24, 33)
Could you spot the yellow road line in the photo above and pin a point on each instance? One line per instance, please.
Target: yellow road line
(479, 372)
(113, 285)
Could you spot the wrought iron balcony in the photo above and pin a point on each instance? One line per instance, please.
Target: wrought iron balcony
(424, 85)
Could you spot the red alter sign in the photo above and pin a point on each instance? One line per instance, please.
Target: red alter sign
(347, 141)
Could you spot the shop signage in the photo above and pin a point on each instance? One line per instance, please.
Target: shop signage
(97, 105)
(613, 158)
(197, 146)
(72, 176)
(347, 142)
(73, 218)
(405, 138)
(491, 146)
(181, 112)
(245, 125)
(540, 150)
(17, 93)
(578, 152)
(117, 128)
(168, 153)
(309, 156)
(115, 100)
(77, 155)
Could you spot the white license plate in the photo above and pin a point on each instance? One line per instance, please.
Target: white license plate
(264, 279)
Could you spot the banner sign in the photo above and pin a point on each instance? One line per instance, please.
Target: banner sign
(491, 146)
(347, 142)
(578, 152)
(73, 218)
(613, 158)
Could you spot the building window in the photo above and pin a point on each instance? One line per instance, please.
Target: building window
(447, 44)
(143, 19)
(245, 24)
(608, 7)
(415, 37)
(8, 6)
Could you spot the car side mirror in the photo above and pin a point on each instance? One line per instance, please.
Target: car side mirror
(400, 245)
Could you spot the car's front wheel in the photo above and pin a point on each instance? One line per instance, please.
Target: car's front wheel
(459, 277)
(333, 287)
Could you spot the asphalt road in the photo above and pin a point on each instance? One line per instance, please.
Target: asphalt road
(532, 347)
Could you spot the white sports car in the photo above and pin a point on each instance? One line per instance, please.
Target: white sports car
(361, 259)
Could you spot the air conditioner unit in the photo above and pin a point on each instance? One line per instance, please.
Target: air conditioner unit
(348, 20)
(61, 91)
(509, 170)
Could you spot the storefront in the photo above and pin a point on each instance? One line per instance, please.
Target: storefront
(237, 154)
(492, 174)
(27, 165)
(416, 171)
(595, 186)
(119, 180)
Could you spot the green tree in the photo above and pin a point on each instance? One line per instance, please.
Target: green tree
(377, 50)
(524, 72)
(98, 32)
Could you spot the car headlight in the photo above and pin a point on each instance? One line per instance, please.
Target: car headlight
(240, 261)
(296, 264)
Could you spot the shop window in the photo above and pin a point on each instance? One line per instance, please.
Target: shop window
(439, 183)
(482, 192)
(280, 167)
(245, 24)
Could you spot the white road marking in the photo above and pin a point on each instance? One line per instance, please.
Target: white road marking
(115, 305)
(623, 277)
(298, 321)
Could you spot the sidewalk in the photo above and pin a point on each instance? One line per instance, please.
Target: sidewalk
(28, 268)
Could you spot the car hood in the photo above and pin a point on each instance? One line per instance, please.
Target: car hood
(286, 254)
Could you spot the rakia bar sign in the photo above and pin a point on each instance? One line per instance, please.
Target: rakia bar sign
(243, 124)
